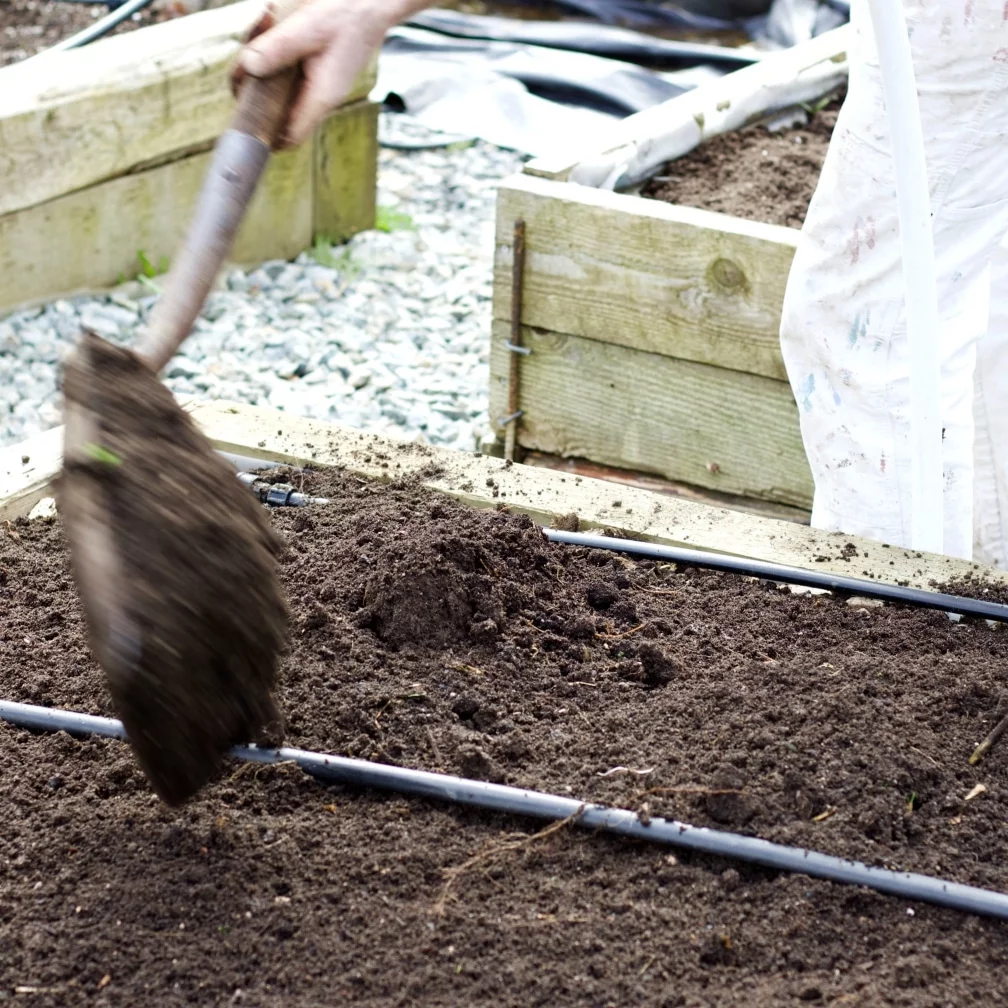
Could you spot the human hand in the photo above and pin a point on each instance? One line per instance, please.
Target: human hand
(332, 40)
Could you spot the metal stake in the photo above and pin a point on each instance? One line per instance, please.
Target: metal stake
(515, 347)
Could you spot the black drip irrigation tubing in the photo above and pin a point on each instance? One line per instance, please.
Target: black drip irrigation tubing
(958, 604)
(535, 804)
(99, 29)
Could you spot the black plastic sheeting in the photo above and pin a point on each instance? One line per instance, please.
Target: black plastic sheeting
(595, 39)
(702, 15)
(616, 88)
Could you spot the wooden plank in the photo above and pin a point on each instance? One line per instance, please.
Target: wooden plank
(346, 172)
(90, 239)
(27, 470)
(645, 274)
(711, 427)
(484, 482)
(658, 484)
(635, 147)
(72, 119)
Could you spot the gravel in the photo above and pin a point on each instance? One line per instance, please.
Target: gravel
(388, 333)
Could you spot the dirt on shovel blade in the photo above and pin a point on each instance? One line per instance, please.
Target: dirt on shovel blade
(197, 562)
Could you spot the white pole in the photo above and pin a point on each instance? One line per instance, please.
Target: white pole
(914, 206)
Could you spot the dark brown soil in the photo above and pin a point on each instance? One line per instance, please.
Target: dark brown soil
(432, 636)
(183, 600)
(29, 26)
(751, 173)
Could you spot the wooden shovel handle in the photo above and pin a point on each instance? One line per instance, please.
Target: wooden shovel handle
(263, 103)
(239, 159)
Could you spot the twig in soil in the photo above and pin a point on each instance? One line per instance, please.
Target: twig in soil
(984, 747)
(388, 703)
(434, 748)
(823, 816)
(254, 769)
(647, 965)
(623, 769)
(620, 636)
(579, 682)
(659, 591)
(975, 792)
(470, 669)
(920, 752)
(495, 850)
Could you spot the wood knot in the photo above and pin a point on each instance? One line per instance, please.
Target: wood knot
(728, 275)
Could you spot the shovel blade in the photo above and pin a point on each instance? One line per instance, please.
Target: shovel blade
(175, 563)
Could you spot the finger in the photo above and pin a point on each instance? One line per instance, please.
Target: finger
(327, 82)
(299, 36)
(238, 74)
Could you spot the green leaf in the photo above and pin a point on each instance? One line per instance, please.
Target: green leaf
(102, 455)
(146, 266)
(388, 219)
(323, 251)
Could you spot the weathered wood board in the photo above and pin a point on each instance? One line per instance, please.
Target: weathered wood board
(69, 120)
(634, 148)
(345, 169)
(27, 470)
(483, 482)
(90, 238)
(708, 426)
(103, 150)
(654, 338)
(645, 274)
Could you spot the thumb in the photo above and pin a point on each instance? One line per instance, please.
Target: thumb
(284, 45)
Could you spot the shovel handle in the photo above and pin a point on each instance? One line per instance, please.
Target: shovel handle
(239, 159)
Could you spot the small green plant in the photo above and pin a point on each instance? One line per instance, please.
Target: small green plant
(102, 455)
(148, 269)
(333, 256)
(388, 219)
(812, 108)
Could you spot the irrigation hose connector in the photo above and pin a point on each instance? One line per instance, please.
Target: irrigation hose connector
(537, 805)
(277, 494)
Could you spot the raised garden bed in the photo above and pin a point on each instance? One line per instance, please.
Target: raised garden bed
(429, 634)
(103, 150)
(653, 325)
(751, 173)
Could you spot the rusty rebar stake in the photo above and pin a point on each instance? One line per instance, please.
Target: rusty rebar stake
(515, 346)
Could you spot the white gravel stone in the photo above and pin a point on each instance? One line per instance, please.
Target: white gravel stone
(389, 332)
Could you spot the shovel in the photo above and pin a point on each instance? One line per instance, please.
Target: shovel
(173, 558)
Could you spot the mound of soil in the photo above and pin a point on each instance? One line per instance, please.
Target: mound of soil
(428, 635)
(28, 27)
(751, 173)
